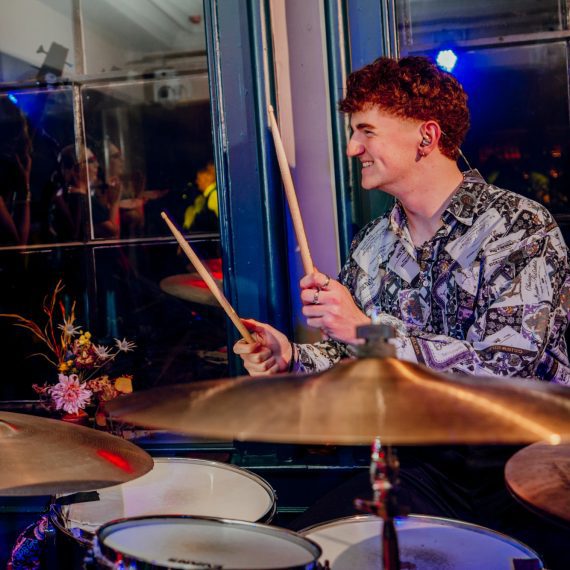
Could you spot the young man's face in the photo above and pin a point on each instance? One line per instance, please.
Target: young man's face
(386, 146)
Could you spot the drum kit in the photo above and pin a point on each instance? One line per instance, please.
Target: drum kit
(191, 513)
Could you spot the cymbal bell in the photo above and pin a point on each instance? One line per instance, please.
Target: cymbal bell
(538, 476)
(40, 456)
(355, 401)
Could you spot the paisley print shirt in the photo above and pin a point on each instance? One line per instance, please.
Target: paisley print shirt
(488, 294)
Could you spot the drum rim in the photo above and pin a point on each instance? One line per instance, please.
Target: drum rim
(427, 518)
(295, 537)
(86, 537)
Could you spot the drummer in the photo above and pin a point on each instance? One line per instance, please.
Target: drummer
(475, 279)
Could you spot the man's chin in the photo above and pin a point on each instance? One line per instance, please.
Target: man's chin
(369, 185)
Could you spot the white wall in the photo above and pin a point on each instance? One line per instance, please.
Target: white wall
(298, 29)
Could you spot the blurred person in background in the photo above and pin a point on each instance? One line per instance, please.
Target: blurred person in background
(202, 215)
(15, 168)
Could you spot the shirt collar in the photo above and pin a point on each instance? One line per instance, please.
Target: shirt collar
(463, 204)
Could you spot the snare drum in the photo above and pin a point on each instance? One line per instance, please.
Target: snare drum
(174, 486)
(426, 543)
(164, 542)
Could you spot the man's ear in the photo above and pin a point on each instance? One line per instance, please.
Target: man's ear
(430, 132)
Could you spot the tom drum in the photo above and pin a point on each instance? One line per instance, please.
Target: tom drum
(200, 542)
(426, 543)
(174, 486)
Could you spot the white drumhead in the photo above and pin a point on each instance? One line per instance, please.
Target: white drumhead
(188, 542)
(428, 543)
(178, 487)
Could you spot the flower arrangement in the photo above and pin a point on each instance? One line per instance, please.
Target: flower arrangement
(80, 363)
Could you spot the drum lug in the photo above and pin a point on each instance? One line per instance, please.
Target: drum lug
(89, 561)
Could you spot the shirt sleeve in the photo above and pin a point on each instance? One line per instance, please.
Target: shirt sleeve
(322, 355)
(523, 313)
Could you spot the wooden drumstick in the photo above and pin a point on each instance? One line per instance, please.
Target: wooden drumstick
(205, 275)
(306, 258)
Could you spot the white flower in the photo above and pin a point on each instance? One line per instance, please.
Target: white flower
(69, 394)
(125, 345)
(102, 352)
(68, 328)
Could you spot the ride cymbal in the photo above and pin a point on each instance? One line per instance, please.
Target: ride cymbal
(539, 476)
(355, 401)
(40, 456)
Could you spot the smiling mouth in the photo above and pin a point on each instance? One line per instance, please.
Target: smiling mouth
(367, 163)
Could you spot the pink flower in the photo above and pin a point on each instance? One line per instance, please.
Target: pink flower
(69, 394)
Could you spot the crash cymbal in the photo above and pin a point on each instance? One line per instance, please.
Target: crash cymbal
(355, 401)
(191, 287)
(39, 456)
(539, 476)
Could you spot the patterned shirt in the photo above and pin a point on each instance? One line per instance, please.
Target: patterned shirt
(488, 294)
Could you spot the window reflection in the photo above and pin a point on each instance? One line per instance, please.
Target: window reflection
(427, 22)
(520, 133)
(15, 168)
(104, 123)
(33, 125)
(202, 214)
(154, 148)
(142, 34)
(518, 95)
(36, 40)
(39, 38)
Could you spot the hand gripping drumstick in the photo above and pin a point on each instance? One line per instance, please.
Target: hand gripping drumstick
(306, 258)
(212, 285)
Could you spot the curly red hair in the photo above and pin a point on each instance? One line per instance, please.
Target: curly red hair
(415, 88)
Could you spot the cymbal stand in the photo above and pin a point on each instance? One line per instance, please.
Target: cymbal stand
(384, 466)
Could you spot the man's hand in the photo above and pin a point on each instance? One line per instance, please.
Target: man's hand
(329, 306)
(271, 352)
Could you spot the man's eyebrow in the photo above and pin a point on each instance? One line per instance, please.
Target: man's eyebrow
(361, 126)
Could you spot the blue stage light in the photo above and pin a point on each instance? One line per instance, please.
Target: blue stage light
(446, 59)
(13, 98)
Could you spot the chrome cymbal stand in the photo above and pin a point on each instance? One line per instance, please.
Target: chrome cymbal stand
(384, 464)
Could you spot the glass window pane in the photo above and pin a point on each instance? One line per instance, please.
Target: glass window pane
(143, 35)
(153, 143)
(520, 128)
(36, 40)
(520, 132)
(34, 128)
(28, 277)
(149, 292)
(428, 22)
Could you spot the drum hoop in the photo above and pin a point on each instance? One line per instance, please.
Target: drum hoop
(267, 517)
(57, 519)
(86, 537)
(426, 518)
(109, 553)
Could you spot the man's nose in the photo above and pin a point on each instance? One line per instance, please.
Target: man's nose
(354, 148)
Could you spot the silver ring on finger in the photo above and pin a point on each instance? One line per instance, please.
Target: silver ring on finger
(327, 281)
(315, 300)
